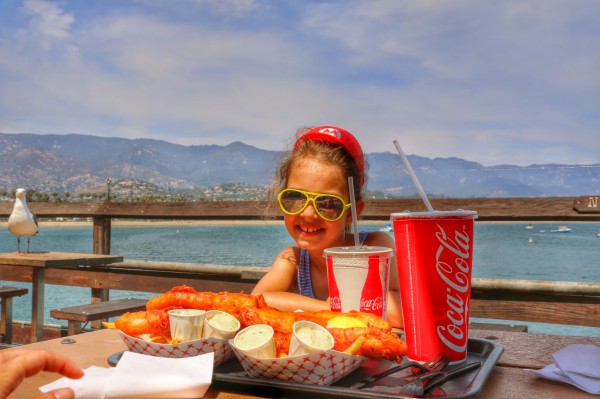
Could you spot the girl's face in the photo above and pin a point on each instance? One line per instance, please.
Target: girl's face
(307, 228)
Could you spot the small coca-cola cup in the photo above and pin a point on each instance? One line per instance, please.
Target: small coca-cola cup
(434, 254)
(358, 278)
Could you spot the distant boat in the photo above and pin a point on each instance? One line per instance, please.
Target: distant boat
(562, 229)
(387, 227)
(529, 227)
(598, 233)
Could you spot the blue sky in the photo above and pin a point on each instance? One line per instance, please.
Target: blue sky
(496, 82)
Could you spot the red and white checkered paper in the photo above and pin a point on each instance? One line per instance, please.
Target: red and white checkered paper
(220, 347)
(322, 368)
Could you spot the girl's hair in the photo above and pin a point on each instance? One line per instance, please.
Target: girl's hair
(321, 151)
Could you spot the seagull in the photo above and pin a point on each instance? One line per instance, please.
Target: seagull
(22, 222)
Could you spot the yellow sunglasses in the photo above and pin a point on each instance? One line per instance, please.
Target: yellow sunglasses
(330, 207)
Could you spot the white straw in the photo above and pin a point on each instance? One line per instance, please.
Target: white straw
(353, 209)
(411, 172)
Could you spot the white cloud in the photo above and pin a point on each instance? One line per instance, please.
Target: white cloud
(49, 19)
(464, 39)
(160, 49)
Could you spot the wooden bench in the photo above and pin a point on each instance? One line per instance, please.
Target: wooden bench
(76, 315)
(7, 294)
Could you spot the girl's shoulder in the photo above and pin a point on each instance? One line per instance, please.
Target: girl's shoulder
(285, 267)
(288, 257)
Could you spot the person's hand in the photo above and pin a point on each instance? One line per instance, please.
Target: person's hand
(15, 366)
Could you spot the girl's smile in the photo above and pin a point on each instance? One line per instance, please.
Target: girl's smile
(308, 230)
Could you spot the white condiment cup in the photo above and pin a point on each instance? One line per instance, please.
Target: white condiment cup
(309, 337)
(215, 328)
(256, 341)
(186, 324)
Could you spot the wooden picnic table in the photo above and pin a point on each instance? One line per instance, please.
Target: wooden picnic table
(38, 262)
(512, 376)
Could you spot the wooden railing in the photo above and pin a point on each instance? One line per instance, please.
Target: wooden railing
(584, 208)
(552, 302)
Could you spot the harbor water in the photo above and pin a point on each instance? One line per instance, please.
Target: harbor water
(501, 250)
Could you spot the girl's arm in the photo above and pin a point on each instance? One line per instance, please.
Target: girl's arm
(277, 285)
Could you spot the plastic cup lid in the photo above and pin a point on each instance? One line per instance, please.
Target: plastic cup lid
(363, 250)
(435, 214)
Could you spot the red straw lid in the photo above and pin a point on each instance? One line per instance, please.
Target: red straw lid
(338, 136)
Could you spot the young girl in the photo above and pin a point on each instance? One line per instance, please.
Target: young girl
(312, 191)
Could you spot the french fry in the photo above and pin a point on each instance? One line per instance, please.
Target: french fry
(356, 345)
(157, 339)
(108, 324)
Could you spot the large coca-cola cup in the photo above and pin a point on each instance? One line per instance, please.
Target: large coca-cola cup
(358, 278)
(434, 253)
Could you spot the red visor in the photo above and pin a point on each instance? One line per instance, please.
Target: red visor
(338, 136)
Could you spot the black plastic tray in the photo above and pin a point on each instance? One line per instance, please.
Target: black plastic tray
(232, 377)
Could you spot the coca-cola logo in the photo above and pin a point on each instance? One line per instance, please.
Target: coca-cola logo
(371, 304)
(371, 298)
(335, 303)
(453, 267)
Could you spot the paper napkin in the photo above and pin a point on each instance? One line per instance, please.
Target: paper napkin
(137, 375)
(578, 365)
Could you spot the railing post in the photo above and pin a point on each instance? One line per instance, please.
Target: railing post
(101, 246)
(102, 235)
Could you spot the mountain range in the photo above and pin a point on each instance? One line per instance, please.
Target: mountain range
(78, 163)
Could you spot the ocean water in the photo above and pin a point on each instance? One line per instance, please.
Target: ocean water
(501, 250)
